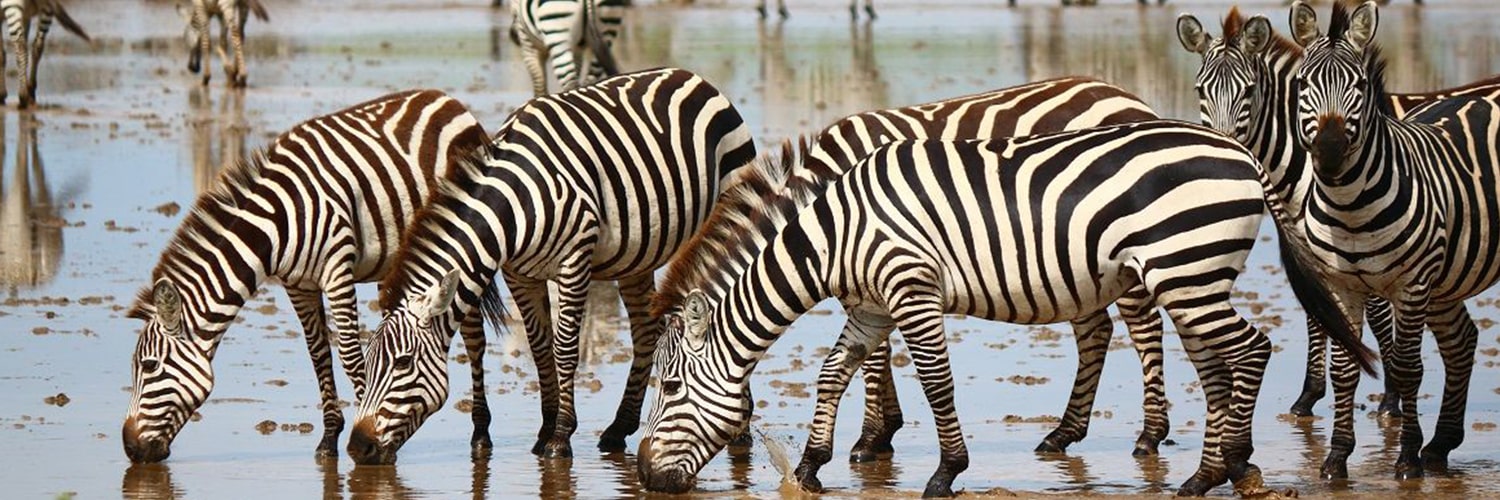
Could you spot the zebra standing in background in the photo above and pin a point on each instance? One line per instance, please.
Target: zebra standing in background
(551, 31)
(1402, 209)
(18, 16)
(322, 208)
(1035, 229)
(737, 230)
(562, 195)
(760, 6)
(232, 16)
(1246, 89)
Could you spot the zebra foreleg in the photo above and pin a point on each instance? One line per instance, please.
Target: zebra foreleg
(201, 25)
(1411, 319)
(472, 331)
(1092, 334)
(1314, 380)
(344, 306)
(309, 307)
(1345, 384)
(1144, 325)
(635, 293)
(536, 313)
(19, 30)
(862, 333)
(573, 280)
(1456, 336)
(38, 45)
(1378, 312)
(882, 409)
(919, 316)
(234, 23)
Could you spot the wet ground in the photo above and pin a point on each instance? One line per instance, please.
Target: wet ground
(90, 179)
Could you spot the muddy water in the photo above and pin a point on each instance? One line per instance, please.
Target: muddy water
(89, 181)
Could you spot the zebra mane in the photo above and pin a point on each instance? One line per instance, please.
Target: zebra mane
(227, 194)
(1234, 25)
(1374, 60)
(759, 201)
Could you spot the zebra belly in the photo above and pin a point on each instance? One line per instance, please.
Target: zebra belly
(1023, 294)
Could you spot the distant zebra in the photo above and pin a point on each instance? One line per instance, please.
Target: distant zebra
(738, 228)
(322, 208)
(1401, 208)
(232, 15)
(599, 183)
(760, 6)
(1246, 89)
(18, 16)
(1035, 229)
(551, 32)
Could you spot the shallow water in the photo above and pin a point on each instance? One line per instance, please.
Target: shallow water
(125, 131)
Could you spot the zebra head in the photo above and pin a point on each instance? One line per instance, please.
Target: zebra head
(1230, 84)
(698, 408)
(407, 372)
(171, 372)
(1336, 86)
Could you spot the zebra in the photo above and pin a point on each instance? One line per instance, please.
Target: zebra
(1400, 208)
(1246, 89)
(549, 31)
(18, 16)
(319, 210)
(1171, 206)
(735, 231)
(599, 183)
(232, 16)
(760, 6)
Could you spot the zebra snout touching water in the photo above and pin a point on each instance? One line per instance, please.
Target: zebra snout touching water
(320, 209)
(232, 15)
(18, 17)
(1070, 221)
(1402, 207)
(560, 195)
(1247, 89)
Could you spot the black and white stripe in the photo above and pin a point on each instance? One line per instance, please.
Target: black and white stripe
(1402, 209)
(320, 209)
(232, 15)
(572, 37)
(19, 15)
(1247, 90)
(760, 6)
(600, 183)
(1034, 229)
(746, 219)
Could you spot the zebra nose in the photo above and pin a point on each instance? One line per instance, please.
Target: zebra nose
(365, 449)
(673, 480)
(142, 450)
(1330, 144)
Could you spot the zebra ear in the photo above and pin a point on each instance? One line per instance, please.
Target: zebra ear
(1304, 23)
(1362, 24)
(695, 315)
(437, 299)
(1256, 35)
(168, 304)
(1190, 33)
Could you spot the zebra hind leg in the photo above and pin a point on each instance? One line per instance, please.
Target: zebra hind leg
(919, 317)
(1457, 338)
(472, 331)
(1378, 311)
(1144, 325)
(1314, 380)
(882, 409)
(1411, 319)
(636, 293)
(536, 314)
(1092, 333)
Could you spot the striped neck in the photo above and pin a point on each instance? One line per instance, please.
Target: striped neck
(1273, 132)
(1377, 176)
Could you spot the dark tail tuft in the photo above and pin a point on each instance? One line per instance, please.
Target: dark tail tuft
(604, 55)
(492, 307)
(69, 24)
(1320, 304)
(259, 10)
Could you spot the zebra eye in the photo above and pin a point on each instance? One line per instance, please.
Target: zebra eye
(150, 365)
(403, 362)
(671, 387)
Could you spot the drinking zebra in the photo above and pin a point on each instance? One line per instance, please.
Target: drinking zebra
(232, 15)
(18, 16)
(1401, 209)
(1246, 89)
(748, 216)
(600, 183)
(551, 32)
(1069, 222)
(320, 209)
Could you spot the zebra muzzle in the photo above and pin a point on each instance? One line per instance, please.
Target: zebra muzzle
(365, 448)
(673, 480)
(148, 450)
(1331, 144)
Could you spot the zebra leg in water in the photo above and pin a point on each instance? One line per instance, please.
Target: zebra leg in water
(882, 408)
(536, 317)
(1378, 313)
(1145, 327)
(918, 313)
(1345, 376)
(1411, 319)
(17, 27)
(1092, 333)
(573, 280)
(1314, 380)
(38, 43)
(309, 307)
(1457, 338)
(635, 293)
(234, 26)
(472, 331)
(863, 332)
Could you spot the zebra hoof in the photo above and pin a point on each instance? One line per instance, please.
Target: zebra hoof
(940, 486)
(480, 447)
(1390, 408)
(1435, 463)
(866, 453)
(1195, 487)
(1049, 446)
(1146, 447)
(1409, 468)
(559, 449)
(742, 441)
(1335, 468)
(807, 478)
(611, 444)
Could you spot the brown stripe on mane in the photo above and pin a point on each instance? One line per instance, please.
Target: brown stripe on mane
(760, 198)
(1234, 24)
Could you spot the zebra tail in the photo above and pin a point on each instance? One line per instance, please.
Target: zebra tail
(1307, 281)
(68, 23)
(604, 55)
(493, 309)
(259, 10)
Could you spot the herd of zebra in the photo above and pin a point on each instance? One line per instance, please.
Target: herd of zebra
(1041, 203)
